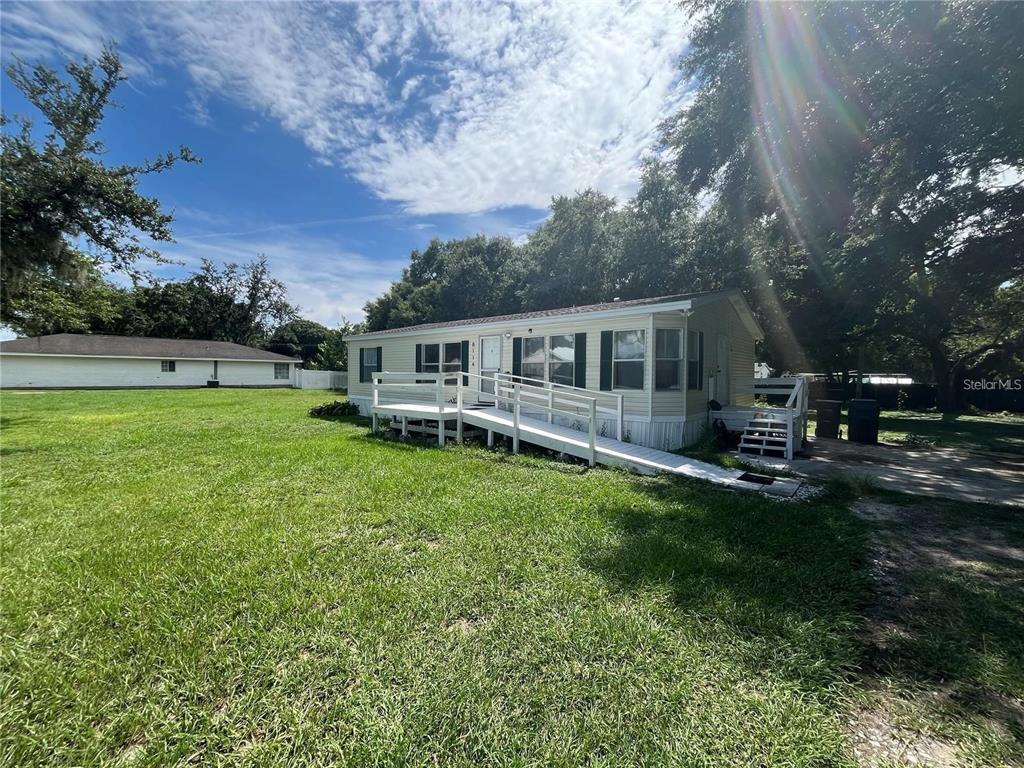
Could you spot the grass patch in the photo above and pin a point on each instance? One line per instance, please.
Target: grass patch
(213, 576)
(992, 432)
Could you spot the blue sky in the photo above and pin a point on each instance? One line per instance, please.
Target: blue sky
(336, 138)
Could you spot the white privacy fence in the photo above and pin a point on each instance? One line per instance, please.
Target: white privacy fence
(306, 379)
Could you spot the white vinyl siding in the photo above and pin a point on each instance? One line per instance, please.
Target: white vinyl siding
(400, 351)
(400, 354)
(93, 371)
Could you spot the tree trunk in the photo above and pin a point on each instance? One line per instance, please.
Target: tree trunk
(949, 394)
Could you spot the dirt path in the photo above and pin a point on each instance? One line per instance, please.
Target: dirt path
(926, 698)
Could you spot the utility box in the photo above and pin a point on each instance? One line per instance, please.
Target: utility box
(863, 421)
(827, 424)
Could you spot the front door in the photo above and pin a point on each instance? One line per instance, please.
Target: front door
(490, 364)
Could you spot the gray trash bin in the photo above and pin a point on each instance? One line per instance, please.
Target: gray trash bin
(827, 424)
(863, 421)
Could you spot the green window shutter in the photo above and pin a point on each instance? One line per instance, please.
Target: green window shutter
(465, 362)
(380, 359)
(606, 361)
(362, 374)
(580, 361)
(517, 356)
(700, 360)
(419, 358)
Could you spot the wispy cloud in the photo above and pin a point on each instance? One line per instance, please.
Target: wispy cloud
(443, 107)
(326, 280)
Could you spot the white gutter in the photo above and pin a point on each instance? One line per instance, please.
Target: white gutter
(291, 360)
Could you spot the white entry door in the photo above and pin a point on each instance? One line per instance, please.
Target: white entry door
(490, 364)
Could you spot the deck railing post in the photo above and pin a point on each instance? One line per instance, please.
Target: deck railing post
(440, 410)
(619, 418)
(458, 411)
(551, 403)
(790, 435)
(593, 432)
(515, 417)
(376, 402)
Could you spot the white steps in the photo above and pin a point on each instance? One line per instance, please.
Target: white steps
(763, 435)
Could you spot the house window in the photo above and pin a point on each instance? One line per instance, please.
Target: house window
(561, 359)
(431, 358)
(551, 358)
(167, 366)
(534, 358)
(369, 364)
(667, 359)
(452, 360)
(628, 349)
(694, 360)
(281, 370)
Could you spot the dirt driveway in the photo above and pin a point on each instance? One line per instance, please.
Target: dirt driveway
(952, 473)
(941, 673)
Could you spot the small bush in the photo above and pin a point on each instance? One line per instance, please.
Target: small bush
(339, 409)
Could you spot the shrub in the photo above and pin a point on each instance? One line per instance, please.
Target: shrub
(339, 409)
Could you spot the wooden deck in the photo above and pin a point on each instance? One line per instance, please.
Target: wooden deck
(607, 451)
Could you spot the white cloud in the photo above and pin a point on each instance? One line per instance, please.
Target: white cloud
(327, 281)
(444, 107)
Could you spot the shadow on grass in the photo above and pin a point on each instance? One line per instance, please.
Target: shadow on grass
(949, 610)
(959, 430)
(6, 450)
(782, 583)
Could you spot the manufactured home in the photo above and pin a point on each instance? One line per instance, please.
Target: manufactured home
(653, 372)
(76, 360)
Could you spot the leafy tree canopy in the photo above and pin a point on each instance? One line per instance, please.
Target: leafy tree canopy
(877, 148)
(243, 304)
(58, 193)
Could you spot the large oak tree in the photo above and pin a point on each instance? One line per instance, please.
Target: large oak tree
(879, 147)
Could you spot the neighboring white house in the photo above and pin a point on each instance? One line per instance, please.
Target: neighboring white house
(667, 357)
(74, 361)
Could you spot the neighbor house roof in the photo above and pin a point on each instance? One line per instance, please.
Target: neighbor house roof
(681, 302)
(96, 345)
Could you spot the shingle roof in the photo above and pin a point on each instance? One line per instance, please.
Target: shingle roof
(138, 346)
(543, 313)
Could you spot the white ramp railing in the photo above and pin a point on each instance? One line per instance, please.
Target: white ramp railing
(539, 391)
(446, 395)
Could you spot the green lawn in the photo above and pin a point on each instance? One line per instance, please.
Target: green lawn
(991, 432)
(211, 576)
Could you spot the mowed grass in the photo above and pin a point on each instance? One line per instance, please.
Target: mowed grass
(212, 576)
(1003, 432)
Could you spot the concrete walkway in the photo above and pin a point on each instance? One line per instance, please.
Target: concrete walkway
(954, 473)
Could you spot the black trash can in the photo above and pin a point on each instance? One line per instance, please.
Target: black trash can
(863, 421)
(827, 424)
